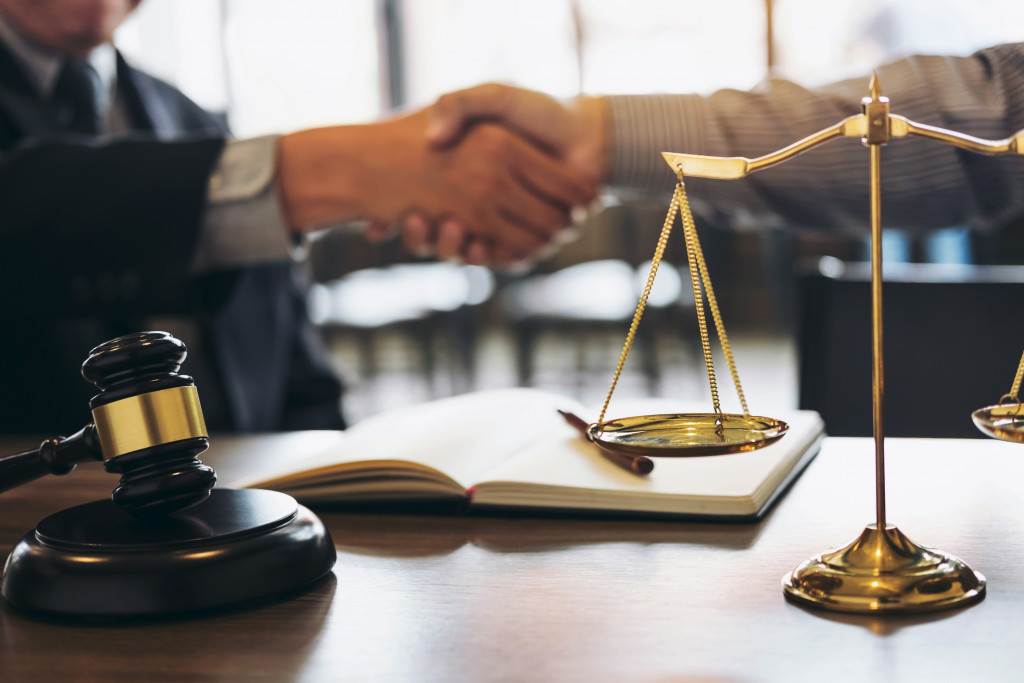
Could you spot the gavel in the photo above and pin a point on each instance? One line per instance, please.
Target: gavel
(159, 558)
(147, 426)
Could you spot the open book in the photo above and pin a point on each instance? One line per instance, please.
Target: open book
(511, 448)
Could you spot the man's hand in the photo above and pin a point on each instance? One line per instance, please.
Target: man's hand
(574, 133)
(501, 190)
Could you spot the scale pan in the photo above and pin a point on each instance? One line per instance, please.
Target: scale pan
(1004, 421)
(680, 435)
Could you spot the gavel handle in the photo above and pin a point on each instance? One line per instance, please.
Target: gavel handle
(58, 455)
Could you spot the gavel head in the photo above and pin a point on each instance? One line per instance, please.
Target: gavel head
(149, 423)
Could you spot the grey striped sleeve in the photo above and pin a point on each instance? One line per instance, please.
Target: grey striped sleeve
(926, 184)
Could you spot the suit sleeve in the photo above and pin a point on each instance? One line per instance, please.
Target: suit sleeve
(926, 184)
(103, 228)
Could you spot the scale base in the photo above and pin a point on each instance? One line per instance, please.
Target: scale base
(94, 560)
(884, 572)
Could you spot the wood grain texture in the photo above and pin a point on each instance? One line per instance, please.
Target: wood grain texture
(427, 597)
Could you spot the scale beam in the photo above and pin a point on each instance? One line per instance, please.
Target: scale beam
(730, 168)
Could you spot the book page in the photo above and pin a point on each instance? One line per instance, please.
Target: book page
(457, 439)
(563, 470)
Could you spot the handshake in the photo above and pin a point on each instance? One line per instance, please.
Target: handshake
(490, 175)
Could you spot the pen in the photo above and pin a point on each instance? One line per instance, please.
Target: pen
(637, 464)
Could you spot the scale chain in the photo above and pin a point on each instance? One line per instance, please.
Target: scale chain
(698, 275)
(659, 251)
(1013, 395)
(690, 229)
(695, 278)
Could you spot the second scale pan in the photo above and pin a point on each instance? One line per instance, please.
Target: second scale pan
(1004, 421)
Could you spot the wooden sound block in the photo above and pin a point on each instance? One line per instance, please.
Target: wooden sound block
(96, 560)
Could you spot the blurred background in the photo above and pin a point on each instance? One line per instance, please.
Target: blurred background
(404, 329)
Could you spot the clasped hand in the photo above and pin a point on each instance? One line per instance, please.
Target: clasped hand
(470, 177)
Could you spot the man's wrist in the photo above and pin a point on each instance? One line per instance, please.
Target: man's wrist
(318, 176)
(595, 132)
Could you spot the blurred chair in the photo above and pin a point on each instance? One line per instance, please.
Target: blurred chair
(429, 303)
(952, 338)
(582, 300)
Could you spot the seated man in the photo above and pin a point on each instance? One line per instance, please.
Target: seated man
(124, 206)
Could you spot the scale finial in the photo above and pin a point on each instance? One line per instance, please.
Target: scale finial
(875, 87)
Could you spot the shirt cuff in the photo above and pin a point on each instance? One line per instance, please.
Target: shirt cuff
(243, 223)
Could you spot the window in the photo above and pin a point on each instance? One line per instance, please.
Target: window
(272, 66)
(275, 66)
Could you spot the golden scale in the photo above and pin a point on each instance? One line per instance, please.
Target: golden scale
(881, 571)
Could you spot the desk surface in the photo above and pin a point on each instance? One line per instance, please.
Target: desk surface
(438, 598)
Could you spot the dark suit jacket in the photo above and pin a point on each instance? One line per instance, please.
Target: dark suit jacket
(97, 240)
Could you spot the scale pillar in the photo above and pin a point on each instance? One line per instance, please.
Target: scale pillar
(881, 570)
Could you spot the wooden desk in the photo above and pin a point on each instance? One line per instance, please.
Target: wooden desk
(434, 598)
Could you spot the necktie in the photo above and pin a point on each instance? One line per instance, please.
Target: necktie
(77, 89)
